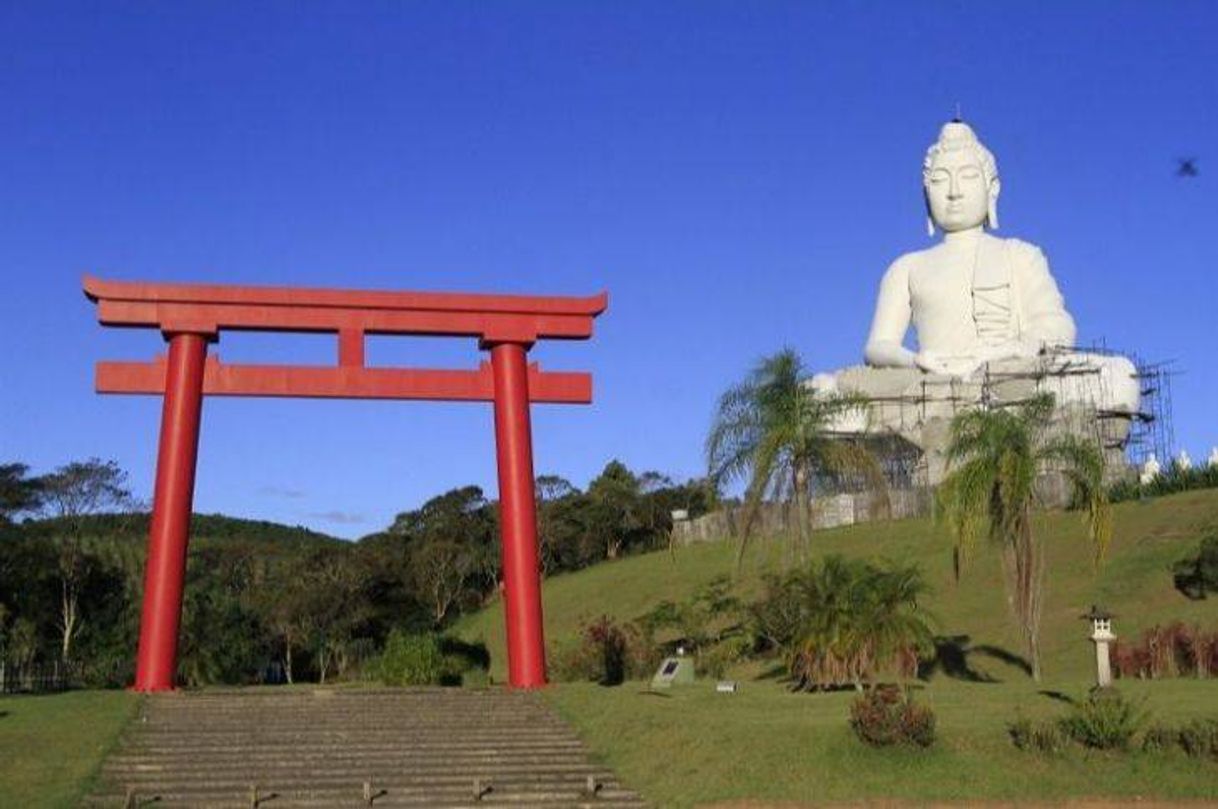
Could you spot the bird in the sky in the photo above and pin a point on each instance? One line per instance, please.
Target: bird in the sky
(1187, 167)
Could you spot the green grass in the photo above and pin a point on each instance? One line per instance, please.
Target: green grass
(1134, 582)
(693, 746)
(767, 743)
(52, 746)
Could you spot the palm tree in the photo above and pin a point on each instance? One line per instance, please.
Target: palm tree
(856, 621)
(996, 456)
(773, 431)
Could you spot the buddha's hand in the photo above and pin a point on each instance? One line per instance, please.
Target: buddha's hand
(1013, 349)
(934, 363)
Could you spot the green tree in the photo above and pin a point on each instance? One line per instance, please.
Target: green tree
(772, 430)
(281, 596)
(451, 553)
(1198, 575)
(18, 492)
(222, 639)
(618, 513)
(71, 494)
(552, 490)
(995, 457)
(338, 609)
(443, 572)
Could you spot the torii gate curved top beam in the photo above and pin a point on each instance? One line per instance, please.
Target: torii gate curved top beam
(491, 318)
(192, 315)
(208, 310)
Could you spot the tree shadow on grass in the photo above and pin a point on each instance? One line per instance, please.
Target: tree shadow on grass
(952, 659)
(467, 656)
(1059, 697)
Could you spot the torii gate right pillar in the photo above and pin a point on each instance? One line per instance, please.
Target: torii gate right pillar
(518, 517)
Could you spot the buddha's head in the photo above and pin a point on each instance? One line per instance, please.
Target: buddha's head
(960, 179)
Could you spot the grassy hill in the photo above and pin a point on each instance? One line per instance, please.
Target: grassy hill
(1134, 582)
(695, 747)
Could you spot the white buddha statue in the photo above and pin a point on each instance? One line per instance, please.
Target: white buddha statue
(972, 298)
(1150, 470)
(982, 308)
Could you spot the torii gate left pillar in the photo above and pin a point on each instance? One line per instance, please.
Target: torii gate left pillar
(168, 534)
(192, 316)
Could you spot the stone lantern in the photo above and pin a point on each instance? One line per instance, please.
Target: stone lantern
(1102, 637)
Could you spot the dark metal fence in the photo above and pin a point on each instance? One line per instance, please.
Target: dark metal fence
(38, 677)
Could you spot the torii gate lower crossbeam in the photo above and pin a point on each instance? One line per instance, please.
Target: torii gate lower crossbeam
(191, 316)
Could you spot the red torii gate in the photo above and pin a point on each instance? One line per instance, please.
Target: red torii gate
(191, 316)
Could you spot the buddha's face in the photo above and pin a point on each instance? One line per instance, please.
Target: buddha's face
(957, 192)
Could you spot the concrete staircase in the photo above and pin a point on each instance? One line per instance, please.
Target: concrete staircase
(267, 748)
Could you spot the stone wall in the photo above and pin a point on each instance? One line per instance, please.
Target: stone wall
(827, 512)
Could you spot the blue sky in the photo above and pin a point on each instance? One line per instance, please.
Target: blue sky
(738, 176)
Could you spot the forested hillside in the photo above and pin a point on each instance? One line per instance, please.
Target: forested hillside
(266, 602)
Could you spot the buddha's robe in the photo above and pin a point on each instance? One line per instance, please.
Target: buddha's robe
(964, 298)
(991, 306)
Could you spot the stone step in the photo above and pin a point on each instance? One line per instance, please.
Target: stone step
(387, 716)
(504, 784)
(459, 787)
(233, 776)
(385, 792)
(361, 771)
(317, 752)
(162, 738)
(416, 747)
(306, 722)
(339, 745)
(462, 764)
(336, 801)
(352, 796)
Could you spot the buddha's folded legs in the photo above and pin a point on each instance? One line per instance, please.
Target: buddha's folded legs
(1096, 395)
(1108, 383)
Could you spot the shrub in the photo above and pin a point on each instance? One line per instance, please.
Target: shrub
(606, 653)
(1198, 575)
(845, 622)
(1174, 479)
(1020, 732)
(608, 639)
(1159, 738)
(887, 715)
(475, 678)
(1042, 737)
(1105, 720)
(1047, 737)
(714, 660)
(708, 625)
(1200, 737)
(411, 659)
(575, 661)
(1174, 650)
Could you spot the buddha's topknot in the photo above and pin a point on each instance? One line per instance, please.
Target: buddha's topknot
(956, 136)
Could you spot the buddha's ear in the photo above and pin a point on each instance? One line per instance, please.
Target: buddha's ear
(930, 220)
(991, 217)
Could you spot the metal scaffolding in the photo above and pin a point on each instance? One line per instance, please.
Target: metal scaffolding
(1126, 438)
